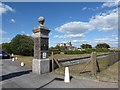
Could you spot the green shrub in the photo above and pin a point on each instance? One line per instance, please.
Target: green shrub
(22, 45)
(102, 50)
(6, 47)
(55, 51)
(88, 50)
(102, 45)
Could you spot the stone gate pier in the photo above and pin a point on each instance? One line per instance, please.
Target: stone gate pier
(41, 62)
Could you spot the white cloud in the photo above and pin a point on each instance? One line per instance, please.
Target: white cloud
(4, 40)
(113, 42)
(116, 38)
(106, 21)
(69, 36)
(28, 34)
(32, 34)
(84, 8)
(106, 40)
(101, 40)
(110, 3)
(88, 8)
(103, 22)
(71, 17)
(4, 8)
(79, 41)
(23, 32)
(2, 32)
(13, 20)
(114, 35)
(51, 34)
(75, 28)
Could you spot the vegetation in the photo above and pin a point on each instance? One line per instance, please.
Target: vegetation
(6, 47)
(28, 59)
(85, 46)
(86, 51)
(102, 50)
(22, 45)
(0, 46)
(102, 45)
(56, 50)
(107, 73)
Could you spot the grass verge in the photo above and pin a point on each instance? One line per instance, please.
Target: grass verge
(107, 73)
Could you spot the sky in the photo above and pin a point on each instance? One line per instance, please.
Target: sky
(79, 22)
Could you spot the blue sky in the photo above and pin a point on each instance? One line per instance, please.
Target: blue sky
(81, 22)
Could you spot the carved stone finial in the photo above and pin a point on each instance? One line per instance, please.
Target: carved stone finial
(41, 20)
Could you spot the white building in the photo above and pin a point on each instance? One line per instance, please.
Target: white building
(67, 46)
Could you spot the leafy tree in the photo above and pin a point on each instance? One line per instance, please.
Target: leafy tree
(85, 46)
(60, 48)
(102, 45)
(57, 47)
(22, 45)
(0, 46)
(102, 50)
(6, 47)
(56, 50)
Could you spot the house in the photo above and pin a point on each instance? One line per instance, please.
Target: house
(67, 46)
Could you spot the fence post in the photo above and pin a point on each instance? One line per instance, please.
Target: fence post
(114, 57)
(117, 56)
(93, 63)
(110, 59)
(52, 62)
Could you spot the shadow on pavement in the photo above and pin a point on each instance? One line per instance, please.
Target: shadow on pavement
(57, 79)
(15, 74)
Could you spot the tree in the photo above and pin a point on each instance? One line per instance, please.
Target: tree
(85, 46)
(57, 47)
(22, 45)
(102, 45)
(6, 47)
(60, 48)
(0, 46)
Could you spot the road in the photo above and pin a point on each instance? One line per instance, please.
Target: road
(15, 76)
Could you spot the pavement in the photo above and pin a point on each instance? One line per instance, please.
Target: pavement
(15, 76)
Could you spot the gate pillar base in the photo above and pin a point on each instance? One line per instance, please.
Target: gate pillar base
(41, 66)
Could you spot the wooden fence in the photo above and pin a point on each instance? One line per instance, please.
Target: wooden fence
(94, 60)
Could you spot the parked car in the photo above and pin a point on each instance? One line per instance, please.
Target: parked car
(4, 54)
